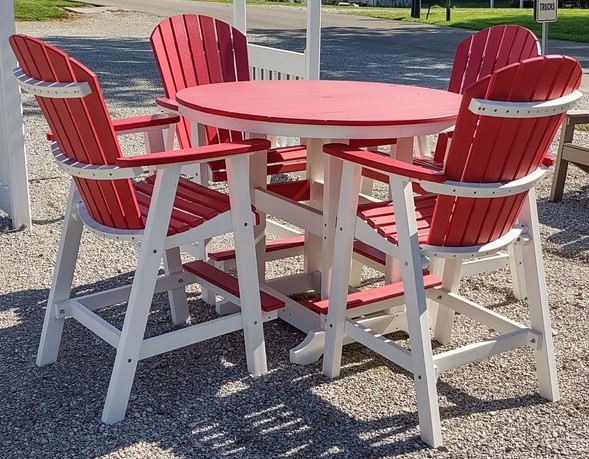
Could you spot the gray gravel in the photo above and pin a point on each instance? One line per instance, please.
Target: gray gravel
(199, 402)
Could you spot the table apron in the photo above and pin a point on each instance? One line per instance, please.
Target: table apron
(314, 131)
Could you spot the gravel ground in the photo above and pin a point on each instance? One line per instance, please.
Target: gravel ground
(199, 402)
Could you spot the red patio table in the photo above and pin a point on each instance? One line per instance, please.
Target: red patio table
(319, 111)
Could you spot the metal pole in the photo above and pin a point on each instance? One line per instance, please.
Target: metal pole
(415, 9)
(544, 36)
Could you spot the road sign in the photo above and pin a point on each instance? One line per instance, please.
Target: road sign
(545, 10)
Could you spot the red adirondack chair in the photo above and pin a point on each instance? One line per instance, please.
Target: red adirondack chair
(482, 201)
(477, 56)
(162, 211)
(481, 54)
(192, 50)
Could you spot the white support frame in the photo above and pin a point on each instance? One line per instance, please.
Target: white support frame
(278, 61)
(14, 181)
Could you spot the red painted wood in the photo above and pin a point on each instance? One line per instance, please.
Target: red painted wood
(85, 133)
(280, 161)
(487, 50)
(229, 283)
(203, 153)
(83, 129)
(271, 246)
(195, 50)
(142, 122)
(297, 190)
(324, 102)
(373, 295)
(488, 149)
(382, 163)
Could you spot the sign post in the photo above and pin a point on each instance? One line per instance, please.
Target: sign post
(545, 11)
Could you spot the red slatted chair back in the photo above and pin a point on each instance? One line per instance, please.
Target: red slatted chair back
(83, 129)
(488, 50)
(492, 149)
(193, 50)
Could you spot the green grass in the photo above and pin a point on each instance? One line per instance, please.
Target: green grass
(572, 24)
(40, 10)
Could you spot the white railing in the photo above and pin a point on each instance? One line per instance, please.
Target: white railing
(275, 64)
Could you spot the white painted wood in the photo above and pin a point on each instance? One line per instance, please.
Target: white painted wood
(314, 131)
(191, 335)
(140, 299)
(312, 56)
(380, 344)
(275, 64)
(95, 323)
(502, 109)
(176, 296)
(538, 302)
(314, 173)
(90, 171)
(14, 182)
(242, 218)
(488, 317)
(474, 251)
(63, 274)
(451, 270)
(313, 46)
(287, 209)
(479, 351)
(516, 267)
(342, 256)
(121, 294)
(486, 190)
(424, 374)
(50, 89)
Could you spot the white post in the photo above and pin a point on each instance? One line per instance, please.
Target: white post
(239, 15)
(313, 48)
(14, 184)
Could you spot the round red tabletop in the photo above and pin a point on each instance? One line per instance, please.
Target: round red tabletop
(347, 106)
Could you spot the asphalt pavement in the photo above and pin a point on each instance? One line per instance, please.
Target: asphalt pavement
(353, 47)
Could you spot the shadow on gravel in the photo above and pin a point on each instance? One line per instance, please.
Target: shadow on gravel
(125, 68)
(568, 216)
(199, 402)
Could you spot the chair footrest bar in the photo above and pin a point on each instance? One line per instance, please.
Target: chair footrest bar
(379, 344)
(211, 277)
(121, 294)
(475, 311)
(95, 323)
(479, 351)
(195, 334)
(370, 296)
(271, 246)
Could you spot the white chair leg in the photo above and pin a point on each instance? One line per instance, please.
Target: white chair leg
(451, 269)
(517, 271)
(538, 303)
(245, 256)
(177, 297)
(141, 296)
(342, 255)
(417, 319)
(356, 273)
(61, 284)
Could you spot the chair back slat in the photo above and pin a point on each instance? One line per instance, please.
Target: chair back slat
(193, 50)
(487, 50)
(488, 149)
(83, 130)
